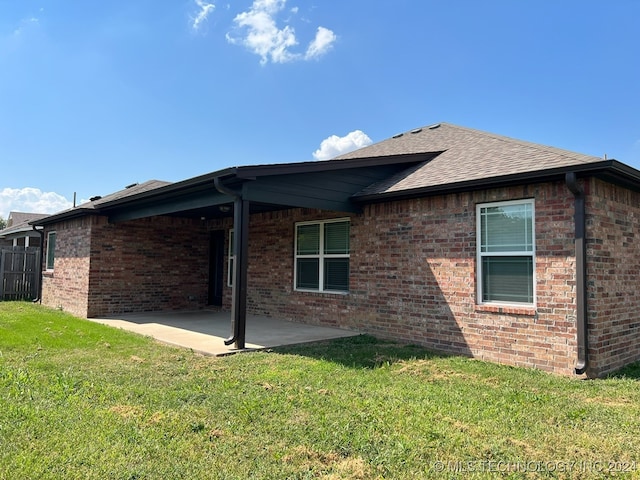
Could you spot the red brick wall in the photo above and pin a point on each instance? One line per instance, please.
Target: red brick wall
(613, 272)
(270, 275)
(67, 286)
(152, 264)
(413, 278)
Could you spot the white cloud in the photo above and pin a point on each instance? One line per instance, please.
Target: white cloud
(203, 14)
(24, 25)
(31, 200)
(11, 41)
(333, 146)
(262, 36)
(321, 44)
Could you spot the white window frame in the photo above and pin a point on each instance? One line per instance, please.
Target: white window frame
(231, 260)
(49, 252)
(518, 253)
(321, 256)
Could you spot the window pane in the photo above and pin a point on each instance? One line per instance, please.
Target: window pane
(232, 244)
(231, 270)
(51, 248)
(308, 273)
(308, 239)
(507, 279)
(336, 274)
(507, 228)
(336, 237)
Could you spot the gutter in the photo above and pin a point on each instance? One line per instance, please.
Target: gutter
(581, 279)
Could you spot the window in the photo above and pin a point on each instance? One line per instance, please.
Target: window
(322, 256)
(232, 259)
(506, 250)
(51, 249)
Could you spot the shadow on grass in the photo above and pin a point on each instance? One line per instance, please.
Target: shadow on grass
(366, 351)
(629, 372)
(363, 351)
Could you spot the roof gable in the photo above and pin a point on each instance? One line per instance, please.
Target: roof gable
(19, 222)
(22, 218)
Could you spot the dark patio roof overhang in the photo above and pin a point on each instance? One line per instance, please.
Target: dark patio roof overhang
(327, 185)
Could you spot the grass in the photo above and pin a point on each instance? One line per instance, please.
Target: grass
(82, 400)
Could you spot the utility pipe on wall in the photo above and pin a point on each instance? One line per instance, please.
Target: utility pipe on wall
(41, 259)
(581, 277)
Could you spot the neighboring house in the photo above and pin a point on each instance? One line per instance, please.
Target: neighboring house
(18, 232)
(20, 244)
(462, 241)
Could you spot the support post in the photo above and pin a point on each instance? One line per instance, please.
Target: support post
(241, 247)
(240, 267)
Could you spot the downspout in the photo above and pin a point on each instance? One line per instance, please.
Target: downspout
(41, 233)
(581, 277)
(239, 275)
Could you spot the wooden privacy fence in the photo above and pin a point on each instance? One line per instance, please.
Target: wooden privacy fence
(19, 273)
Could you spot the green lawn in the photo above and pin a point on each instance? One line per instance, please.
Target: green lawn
(82, 400)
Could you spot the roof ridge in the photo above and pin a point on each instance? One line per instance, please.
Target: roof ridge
(24, 213)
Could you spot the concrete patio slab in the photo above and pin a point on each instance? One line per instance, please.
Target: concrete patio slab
(204, 331)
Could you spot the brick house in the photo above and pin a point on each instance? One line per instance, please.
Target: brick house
(20, 248)
(462, 241)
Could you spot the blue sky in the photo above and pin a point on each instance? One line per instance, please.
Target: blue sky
(98, 95)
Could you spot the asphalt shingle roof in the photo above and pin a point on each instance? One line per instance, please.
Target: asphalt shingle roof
(126, 192)
(96, 202)
(467, 155)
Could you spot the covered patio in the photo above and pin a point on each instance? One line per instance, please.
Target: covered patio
(161, 246)
(205, 331)
(236, 193)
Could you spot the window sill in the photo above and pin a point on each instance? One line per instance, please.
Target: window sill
(318, 292)
(507, 309)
